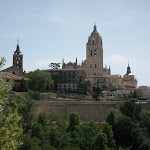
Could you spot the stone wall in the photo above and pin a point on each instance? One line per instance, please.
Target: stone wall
(88, 111)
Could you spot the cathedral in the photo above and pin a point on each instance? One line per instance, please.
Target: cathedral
(71, 74)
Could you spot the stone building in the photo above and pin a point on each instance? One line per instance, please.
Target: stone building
(17, 67)
(94, 55)
(92, 69)
(67, 79)
(129, 80)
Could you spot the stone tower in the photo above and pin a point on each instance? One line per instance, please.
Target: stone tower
(94, 55)
(17, 67)
(18, 60)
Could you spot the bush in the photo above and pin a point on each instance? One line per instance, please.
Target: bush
(34, 94)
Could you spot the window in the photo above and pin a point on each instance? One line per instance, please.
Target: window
(95, 53)
(90, 65)
(91, 52)
(93, 42)
(95, 65)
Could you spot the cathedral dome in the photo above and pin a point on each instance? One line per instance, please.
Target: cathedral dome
(95, 33)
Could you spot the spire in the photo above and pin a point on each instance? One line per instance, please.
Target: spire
(95, 28)
(76, 61)
(109, 67)
(128, 69)
(17, 48)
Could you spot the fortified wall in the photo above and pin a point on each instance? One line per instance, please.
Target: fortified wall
(88, 111)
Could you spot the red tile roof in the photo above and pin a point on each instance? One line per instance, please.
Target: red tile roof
(10, 76)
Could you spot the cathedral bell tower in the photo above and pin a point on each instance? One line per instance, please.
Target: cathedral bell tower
(94, 55)
(18, 59)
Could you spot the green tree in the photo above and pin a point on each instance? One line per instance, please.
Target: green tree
(74, 120)
(131, 109)
(101, 142)
(84, 86)
(23, 85)
(84, 135)
(107, 129)
(137, 94)
(123, 131)
(39, 80)
(145, 122)
(96, 92)
(29, 143)
(38, 131)
(58, 139)
(34, 94)
(9, 120)
(112, 117)
(42, 119)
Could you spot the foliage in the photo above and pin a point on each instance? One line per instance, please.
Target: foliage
(42, 119)
(136, 94)
(9, 130)
(131, 109)
(96, 92)
(84, 86)
(112, 87)
(83, 135)
(107, 129)
(23, 85)
(74, 120)
(39, 80)
(9, 120)
(112, 117)
(34, 94)
(29, 143)
(101, 142)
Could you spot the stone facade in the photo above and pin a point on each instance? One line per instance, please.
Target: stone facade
(17, 67)
(94, 55)
(129, 80)
(67, 79)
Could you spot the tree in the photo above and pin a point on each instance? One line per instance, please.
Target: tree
(131, 109)
(42, 119)
(38, 131)
(97, 92)
(29, 143)
(39, 80)
(23, 85)
(112, 117)
(84, 86)
(107, 129)
(9, 120)
(137, 94)
(123, 131)
(84, 135)
(74, 120)
(101, 142)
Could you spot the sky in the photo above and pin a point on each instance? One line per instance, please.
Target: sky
(51, 30)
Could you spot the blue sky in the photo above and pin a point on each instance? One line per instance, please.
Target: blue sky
(51, 30)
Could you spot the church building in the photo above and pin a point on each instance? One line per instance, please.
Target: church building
(17, 68)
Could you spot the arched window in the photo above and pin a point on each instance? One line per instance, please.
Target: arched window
(93, 42)
(91, 52)
(95, 53)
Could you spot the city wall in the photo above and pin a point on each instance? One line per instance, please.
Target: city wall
(88, 111)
